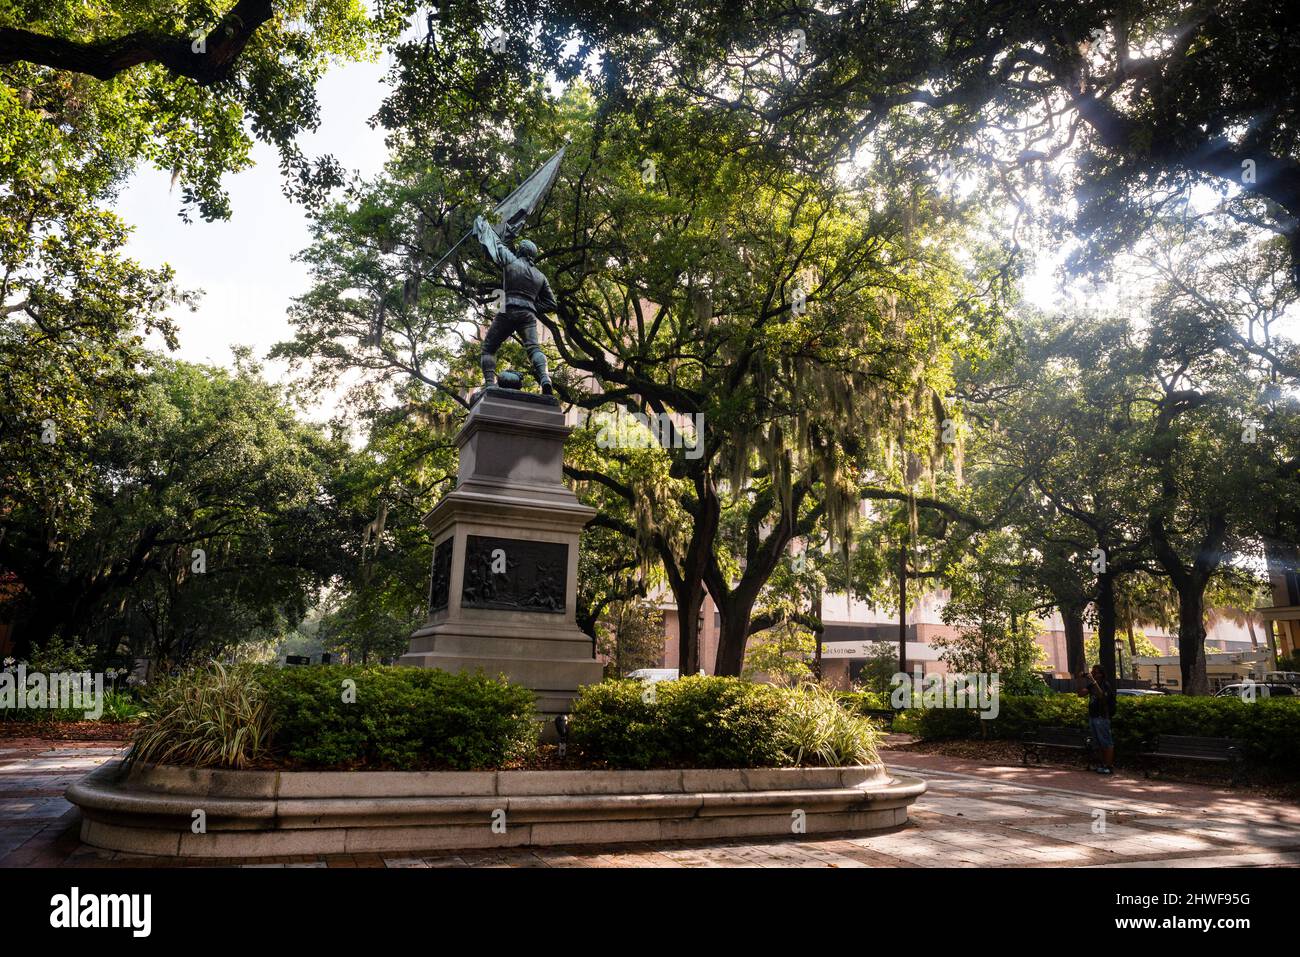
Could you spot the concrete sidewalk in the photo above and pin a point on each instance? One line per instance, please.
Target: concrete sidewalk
(974, 815)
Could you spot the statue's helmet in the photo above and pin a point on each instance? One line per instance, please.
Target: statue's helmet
(528, 249)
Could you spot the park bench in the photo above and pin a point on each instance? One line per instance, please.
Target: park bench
(1186, 747)
(1066, 739)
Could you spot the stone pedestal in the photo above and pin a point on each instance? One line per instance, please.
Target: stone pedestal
(505, 556)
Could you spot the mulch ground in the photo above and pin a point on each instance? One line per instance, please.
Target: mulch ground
(68, 730)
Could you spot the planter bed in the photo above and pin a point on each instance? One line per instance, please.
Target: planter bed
(149, 809)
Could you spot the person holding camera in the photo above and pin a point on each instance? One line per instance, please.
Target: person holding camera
(1101, 707)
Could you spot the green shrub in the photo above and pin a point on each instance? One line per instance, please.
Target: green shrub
(907, 722)
(57, 655)
(721, 722)
(942, 723)
(1016, 715)
(1023, 683)
(860, 702)
(336, 717)
(617, 721)
(54, 657)
(711, 722)
(401, 718)
(1268, 729)
(209, 717)
(694, 721)
(119, 707)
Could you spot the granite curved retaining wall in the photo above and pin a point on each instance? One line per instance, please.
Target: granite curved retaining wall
(150, 809)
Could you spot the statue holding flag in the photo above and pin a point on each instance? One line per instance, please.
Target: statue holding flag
(527, 293)
(526, 290)
(503, 592)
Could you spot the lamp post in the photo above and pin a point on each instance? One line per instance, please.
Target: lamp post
(699, 636)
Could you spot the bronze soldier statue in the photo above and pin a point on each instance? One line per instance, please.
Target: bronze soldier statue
(527, 293)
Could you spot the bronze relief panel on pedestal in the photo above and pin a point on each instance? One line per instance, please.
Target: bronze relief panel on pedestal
(514, 575)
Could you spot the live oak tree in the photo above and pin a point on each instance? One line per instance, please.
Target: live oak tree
(1144, 438)
(1128, 436)
(89, 91)
(73, 315)
(211, 517)
(691, 281)
(1211, 505)
(1192, 525)
(86, 84)
(1066, 418)
(1143, 100)
(1228, 284)
(787, 324)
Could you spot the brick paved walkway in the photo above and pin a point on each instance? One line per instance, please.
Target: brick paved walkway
(974, 815)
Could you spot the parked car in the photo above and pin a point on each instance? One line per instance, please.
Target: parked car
(1251, 691)
(1139, 692)
(652, 675)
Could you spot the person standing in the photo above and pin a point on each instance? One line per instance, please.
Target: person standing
(1101, 707)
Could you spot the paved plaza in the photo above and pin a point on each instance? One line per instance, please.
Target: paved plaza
(974, 815)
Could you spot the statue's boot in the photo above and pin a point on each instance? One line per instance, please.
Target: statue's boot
(539, 368)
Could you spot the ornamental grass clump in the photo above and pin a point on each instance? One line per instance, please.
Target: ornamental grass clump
(208, 717)
(816, 729)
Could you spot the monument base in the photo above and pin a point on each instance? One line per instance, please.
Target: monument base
(503, 590)
(554, 662)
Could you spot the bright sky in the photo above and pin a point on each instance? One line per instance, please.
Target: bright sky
(245, 265)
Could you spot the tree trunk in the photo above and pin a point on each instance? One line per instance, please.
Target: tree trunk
(736, 604)
(1015, 646)
(1106, 624)
(1076, 661)
(686, 579)
(732, 638)
(736, 610)
(1191, 635)
(689, 602)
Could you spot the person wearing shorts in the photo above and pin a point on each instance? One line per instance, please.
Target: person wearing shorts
(1101, 706)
